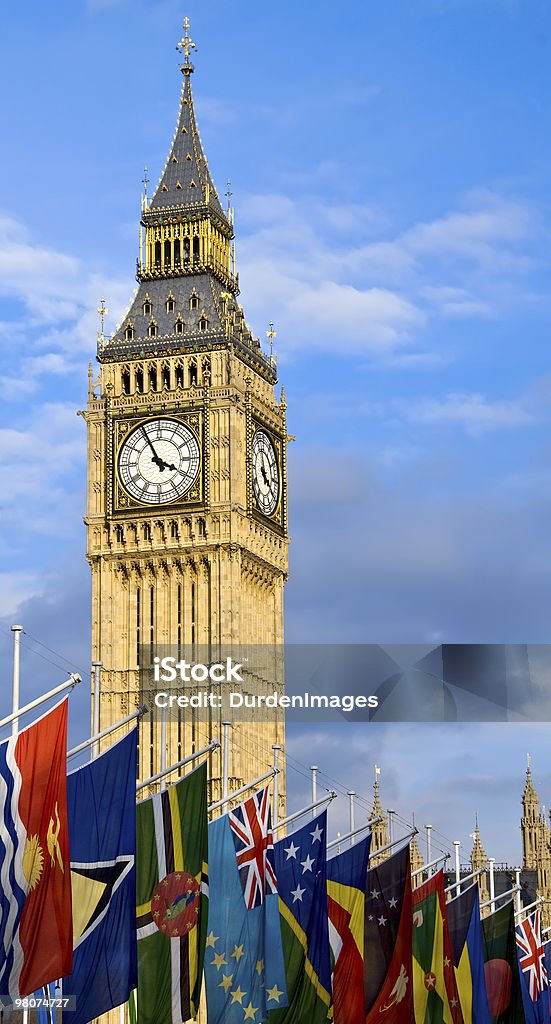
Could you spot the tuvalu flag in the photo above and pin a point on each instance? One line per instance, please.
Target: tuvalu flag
(466, 939)
(101, 801)
(501, 967)
(301, 871)
(346, 876)
(435, 994)
(36, 944)
(172, 898)
(244, 969)
(387, 951)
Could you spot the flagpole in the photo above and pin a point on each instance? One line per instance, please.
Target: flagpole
(466, 878)
(351, 793)
(518, 896)
(314, 769)
(357, 831)
(162, 758)
(242, 789)
(225, 764)
(105, 732)
(275, 813)
(429, 864)
(178, 764)
(331, 795)
(17, 631)
(491, 862)
(500, 896)
(69, 684)
(97, 667)
(531, 906)
(457, 844)
(403, 839)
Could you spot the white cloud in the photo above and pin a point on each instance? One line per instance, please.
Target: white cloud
(476, 413)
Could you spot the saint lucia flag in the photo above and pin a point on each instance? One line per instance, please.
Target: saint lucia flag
(101, 800)
(35, 893)
(468, 956)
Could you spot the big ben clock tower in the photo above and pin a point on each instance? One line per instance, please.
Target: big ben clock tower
(187, 501)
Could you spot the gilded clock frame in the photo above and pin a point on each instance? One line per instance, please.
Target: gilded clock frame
(121, 427)
(277, 518)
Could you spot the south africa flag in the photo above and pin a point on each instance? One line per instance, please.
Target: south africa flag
(172, 898)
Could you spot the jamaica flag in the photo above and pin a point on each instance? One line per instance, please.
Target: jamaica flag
(435, 995)
(172, 898)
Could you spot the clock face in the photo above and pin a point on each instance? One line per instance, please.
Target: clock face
(159, 461)
(265, 473)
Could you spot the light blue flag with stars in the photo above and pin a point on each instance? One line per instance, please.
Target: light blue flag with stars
(244, 967)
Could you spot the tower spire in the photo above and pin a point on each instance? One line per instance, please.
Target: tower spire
(185, 45)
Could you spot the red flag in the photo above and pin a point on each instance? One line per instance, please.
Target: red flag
(346, 875)
(36, 940)
(388, 931)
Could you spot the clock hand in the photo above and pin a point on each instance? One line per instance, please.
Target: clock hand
(159, 462)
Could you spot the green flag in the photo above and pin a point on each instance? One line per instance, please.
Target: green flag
(501, 967)
(172, 900)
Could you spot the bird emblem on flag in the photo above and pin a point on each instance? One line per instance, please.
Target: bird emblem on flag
(531, 955)
(251, 830)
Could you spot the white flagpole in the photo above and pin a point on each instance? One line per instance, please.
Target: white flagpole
(456, 845)
(275, 810)
(531, 906)
(314, 769)
(357, 831)
(105, 732)
(225, 764)
(179, 764)
(351, 793)
(17, 631)
(500, 896)
(69, 684)
(430, 864)
(305, 810)
(97, 667)
(243, 789)
(466, 878)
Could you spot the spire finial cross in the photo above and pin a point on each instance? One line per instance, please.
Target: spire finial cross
(229, 194)
(186, 42)
(145, 181)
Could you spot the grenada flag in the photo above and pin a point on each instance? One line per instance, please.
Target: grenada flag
(36, 933)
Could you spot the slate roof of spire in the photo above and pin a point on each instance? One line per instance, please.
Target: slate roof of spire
(186, 171)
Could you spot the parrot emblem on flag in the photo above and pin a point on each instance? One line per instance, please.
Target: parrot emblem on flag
(175, 904)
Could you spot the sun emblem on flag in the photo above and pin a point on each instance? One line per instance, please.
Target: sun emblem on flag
(430, 980)
(175, 904)
(33, 861)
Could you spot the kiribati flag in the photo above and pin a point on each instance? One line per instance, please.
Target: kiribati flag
(36, 935)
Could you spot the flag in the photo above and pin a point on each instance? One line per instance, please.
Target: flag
(244, 968)
(172, 898)
(387, 949)
(501, 967)
(468, 957)
(346, 876)
(101, 801)
(301, 871)
(435, 994)
(534, 980)
(36, 944)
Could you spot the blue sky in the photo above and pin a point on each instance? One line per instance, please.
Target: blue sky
(389, 168)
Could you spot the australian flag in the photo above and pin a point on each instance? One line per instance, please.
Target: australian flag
(101, 800)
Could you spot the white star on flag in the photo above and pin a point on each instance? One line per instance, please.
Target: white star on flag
(297, 893)
(393, 903)
(291, 850)
(317, 834)
(375, 894)
(307, 864)
(382, 920)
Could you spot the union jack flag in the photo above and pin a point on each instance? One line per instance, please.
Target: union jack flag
(254, 847)
(531, 955)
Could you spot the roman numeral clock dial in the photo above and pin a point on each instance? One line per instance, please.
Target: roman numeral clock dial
(158, 461)
(265, 473)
